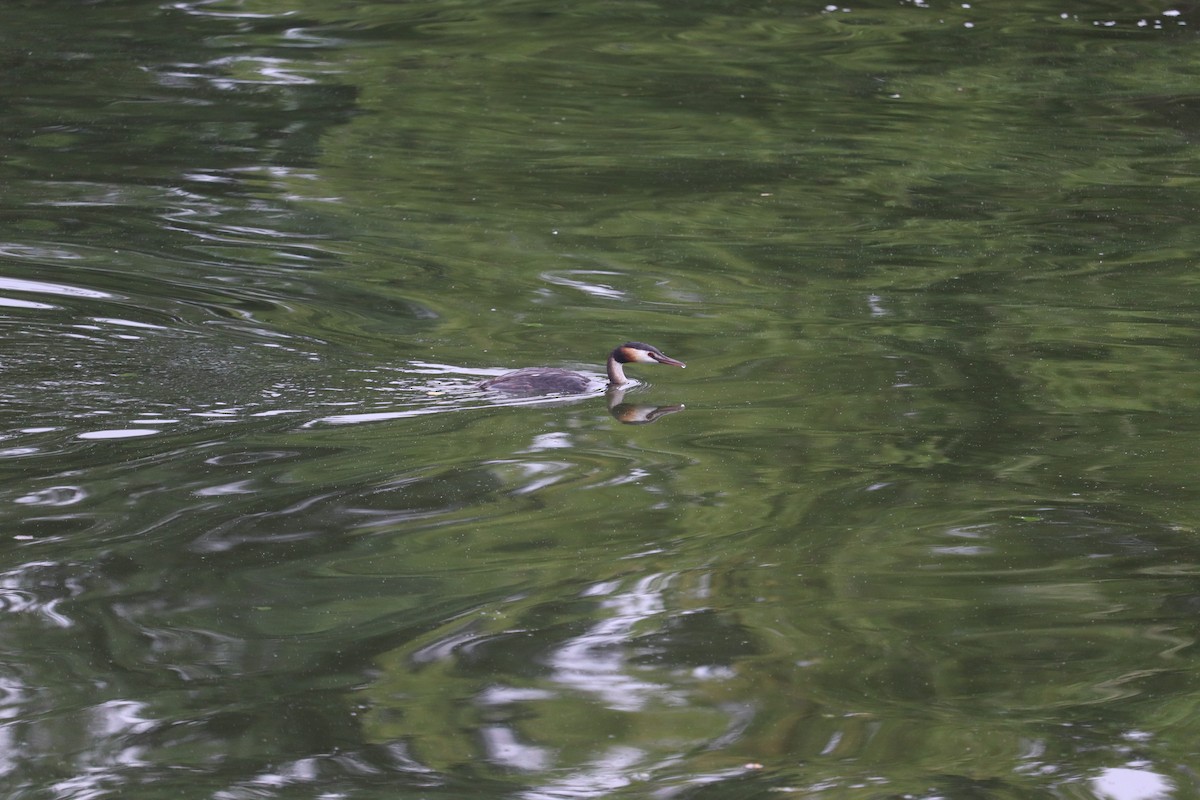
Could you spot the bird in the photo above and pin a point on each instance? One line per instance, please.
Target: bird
(551, 380)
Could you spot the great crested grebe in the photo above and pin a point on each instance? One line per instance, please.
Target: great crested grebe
(551, 380)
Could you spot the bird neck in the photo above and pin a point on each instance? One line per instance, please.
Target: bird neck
(616, 374)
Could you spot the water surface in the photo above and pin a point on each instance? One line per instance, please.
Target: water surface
(917, 520)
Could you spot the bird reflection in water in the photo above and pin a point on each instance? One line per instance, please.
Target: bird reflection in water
(634, 413)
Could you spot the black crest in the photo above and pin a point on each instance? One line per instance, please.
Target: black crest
(624, 357)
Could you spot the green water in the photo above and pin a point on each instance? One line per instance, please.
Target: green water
(917, 521)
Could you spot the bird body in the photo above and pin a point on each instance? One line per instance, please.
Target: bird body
(551, 380)
(539, 380)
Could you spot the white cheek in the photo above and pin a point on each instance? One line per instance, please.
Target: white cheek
(642, 358)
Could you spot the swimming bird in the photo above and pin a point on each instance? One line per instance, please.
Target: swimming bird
(551, 380)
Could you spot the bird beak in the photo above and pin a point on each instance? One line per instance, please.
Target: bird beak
(670, 362)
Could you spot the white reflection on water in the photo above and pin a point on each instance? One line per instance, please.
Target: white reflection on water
(24, 590)
(570, 279)
(1131, 784)
(129, 323)
(8, 302)
(595, 661)
(45, 287)
(53, 496)
(122, 433)
(602, 775)
(503, 748)
(110, 725)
